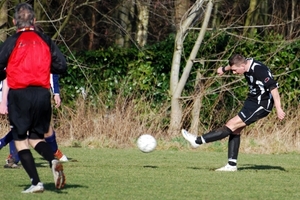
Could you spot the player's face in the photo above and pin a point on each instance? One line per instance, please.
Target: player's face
(238, 69)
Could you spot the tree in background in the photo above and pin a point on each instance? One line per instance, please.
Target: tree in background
(3, 20)
(125, 16)
(177, 84)
(96, 24)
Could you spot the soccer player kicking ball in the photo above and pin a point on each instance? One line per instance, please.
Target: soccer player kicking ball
(263, 94)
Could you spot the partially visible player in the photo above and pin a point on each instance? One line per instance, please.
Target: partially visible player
(50, 137)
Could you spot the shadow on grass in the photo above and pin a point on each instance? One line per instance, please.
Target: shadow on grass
(196, 168)
(41, 162)
(51, 188)
(260, 167)
(246, 167)
(150, 166)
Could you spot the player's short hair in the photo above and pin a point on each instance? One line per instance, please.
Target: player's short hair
(237, 59)
(24, 15)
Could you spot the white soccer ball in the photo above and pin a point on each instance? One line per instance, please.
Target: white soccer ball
(146, 143)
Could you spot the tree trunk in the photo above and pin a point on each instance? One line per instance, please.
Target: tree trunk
(175, 86)
(124, 15)
(39, 13)
(65, 22)
(3, 21)
(176, 109)
(216, 19)
(293, 13)
(249, 18)
(197, 104)
(143, 21)
(264, 10)
(92, 27)
(181, 6)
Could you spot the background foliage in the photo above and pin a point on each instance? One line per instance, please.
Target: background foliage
(112, 93)
(102, 75)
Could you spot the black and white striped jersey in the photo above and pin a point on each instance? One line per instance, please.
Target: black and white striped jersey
(261, 82)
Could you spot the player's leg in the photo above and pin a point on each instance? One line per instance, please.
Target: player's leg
(233, 150)
(13, 157)
(44, 149)
(216, 134)
(6, 139)
(27, 160)
(41, 124)
(50, 138)
(20, 120)
(211, 136)
(250, 113)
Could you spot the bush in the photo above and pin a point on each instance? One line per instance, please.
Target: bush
(100, 76)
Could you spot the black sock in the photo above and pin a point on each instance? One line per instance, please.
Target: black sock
(198, 140)
(28, 164)
(232, 163)
(215, 135)
(233, 148)
(45, 151)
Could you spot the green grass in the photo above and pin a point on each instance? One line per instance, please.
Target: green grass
(162, 174)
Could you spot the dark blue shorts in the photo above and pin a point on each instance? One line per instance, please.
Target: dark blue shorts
(252, 112)
(29, 111)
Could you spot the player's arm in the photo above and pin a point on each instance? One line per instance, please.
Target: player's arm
(54, 80)
(5, 50)
(264, 75)
(266, 78)
(277, 103)
(3, 104)
(59, 63)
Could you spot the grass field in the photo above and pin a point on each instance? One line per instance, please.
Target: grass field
(162, 174)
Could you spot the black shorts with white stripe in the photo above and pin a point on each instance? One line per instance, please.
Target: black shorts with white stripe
(252, 112)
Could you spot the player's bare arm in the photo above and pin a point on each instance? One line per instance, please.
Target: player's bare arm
(277, 103)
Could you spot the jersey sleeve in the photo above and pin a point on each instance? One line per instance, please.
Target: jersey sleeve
(265, 76)
(58, 65)
(54, 83)
(5, 50)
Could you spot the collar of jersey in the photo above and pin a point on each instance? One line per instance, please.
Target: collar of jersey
(26, 29)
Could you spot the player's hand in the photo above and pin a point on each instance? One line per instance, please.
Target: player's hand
(57, 100)
(280, 113)
(3, 109)
(220, 71)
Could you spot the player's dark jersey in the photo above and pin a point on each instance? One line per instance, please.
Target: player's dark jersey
(261, 82)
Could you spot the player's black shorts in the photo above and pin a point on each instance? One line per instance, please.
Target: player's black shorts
(29, 112)
(251, 112)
